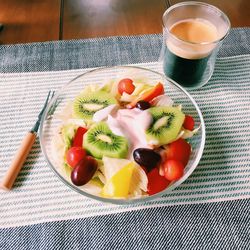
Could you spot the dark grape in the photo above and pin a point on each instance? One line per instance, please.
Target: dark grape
(147, 158)
(84, 171)
(142, 105)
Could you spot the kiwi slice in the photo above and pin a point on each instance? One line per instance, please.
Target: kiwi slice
(165, 126)
(99, 141)
(86, 104)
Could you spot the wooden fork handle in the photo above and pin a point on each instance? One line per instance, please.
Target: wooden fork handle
(18, 161)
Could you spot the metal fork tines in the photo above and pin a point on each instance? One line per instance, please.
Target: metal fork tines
(37, 124)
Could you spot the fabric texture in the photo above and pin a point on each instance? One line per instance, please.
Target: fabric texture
(220, 225)
(223, 225)
(222, 173)
(97, 52)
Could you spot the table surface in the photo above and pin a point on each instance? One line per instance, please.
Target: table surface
(221, 225)
(36, 21)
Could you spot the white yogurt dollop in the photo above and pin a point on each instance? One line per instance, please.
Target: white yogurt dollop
(115, 126)
(102, 114)
(129, 123)
(132, 123)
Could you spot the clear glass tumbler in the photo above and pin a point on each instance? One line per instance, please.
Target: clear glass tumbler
(191, 64)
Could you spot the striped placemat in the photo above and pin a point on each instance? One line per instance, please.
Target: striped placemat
(39, 196)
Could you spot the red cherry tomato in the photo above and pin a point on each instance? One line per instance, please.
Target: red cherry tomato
(173, 170)
(126, 85)
(74, 155)
(179, 150)
(77, 141)
(156, 91)
(188, 122)
(156, 182)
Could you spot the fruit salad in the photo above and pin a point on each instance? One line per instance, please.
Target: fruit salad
(123, 139)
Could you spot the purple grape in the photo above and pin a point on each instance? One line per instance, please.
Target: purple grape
(84, 171)
(142, 105)
(147, 158)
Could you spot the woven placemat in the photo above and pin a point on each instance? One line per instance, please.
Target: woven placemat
(97, 52)
(223, 173)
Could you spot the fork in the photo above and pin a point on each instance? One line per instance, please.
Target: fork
(23, 150)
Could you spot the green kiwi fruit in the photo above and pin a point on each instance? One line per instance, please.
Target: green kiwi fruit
(99, 141)
(165, 126)
(87, 103)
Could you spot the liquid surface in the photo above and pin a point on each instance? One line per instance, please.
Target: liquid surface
(195, 31)
(187, 62)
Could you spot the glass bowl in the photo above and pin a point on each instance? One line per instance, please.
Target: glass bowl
(68, 92)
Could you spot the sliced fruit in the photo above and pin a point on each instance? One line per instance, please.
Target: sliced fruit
(140, 88)
(112, 165)
(156, 182)
(173, 170)
(188, 122)
(165, 126)
(99, 141)
(119, 184)
(148, 95)
(179, 150)
(126, 85)
(78, 138)
(86, 104)
(139, 179)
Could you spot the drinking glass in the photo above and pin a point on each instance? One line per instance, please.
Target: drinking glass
(191, 64)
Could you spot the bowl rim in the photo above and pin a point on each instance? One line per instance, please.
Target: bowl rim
(131, 200)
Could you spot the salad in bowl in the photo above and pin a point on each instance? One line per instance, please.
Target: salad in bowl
(122, 134)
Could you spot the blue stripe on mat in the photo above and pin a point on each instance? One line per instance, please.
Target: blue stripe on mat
(197, 226)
